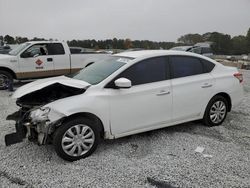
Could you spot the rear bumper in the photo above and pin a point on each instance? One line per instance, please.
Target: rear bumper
(237, 96)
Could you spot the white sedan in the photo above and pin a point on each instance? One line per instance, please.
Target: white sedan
(128, 93)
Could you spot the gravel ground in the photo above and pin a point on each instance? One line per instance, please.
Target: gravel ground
(161, 158)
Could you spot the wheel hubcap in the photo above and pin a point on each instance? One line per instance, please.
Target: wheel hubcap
(3, 80)
(78, 140)
(217, 112)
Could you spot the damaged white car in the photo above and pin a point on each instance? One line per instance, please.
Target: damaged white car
(127, 93)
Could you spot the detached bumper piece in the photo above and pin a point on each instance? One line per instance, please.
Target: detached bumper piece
(16, 137)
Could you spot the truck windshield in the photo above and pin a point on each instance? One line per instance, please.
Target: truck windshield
(100, 70)
(18, 49)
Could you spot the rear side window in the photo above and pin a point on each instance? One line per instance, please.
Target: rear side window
(56, 49)
(208, 66)
(182, 66)
(75, 51)
(146, 71)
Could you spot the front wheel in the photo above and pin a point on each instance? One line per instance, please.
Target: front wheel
(76, 139)
(216, 111)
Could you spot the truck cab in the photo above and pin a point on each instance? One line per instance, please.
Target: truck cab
(39, 59)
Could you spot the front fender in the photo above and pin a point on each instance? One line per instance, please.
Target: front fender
(81, 104)
(9, 62)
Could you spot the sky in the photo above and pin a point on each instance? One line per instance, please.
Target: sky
(156, 20)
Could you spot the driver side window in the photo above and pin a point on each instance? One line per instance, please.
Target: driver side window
(144, 72)
(37, 49)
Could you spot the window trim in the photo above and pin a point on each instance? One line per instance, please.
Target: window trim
(167, 70)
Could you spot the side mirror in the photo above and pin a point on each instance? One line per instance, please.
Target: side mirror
(26, 54)
(123, 83)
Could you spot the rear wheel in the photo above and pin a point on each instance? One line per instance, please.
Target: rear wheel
(216, 111)
(5, 79)
(76, 139)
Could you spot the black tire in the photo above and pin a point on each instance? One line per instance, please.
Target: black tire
(207, 120)
(8, 78)
(61, 131)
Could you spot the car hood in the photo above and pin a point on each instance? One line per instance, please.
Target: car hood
(42, 83)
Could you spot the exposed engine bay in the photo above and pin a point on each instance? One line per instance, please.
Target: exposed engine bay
(30, 105)
(48, 94)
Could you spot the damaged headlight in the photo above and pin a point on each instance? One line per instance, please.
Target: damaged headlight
(39, 115)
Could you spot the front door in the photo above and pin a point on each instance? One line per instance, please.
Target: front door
(147, 104)
(35, 62)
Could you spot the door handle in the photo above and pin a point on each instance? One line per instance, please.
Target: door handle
(163, 92)
(207, 85)
(49, 59)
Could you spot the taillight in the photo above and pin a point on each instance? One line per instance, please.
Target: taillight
(239, 76)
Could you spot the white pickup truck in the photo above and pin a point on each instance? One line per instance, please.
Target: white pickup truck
(38, 59)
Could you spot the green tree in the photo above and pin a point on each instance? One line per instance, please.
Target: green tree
(190, 39)
(9, 39)
(37, 39)
(248, 41)
(20, 40)
(221, 43)
(1, 40)
(115, 43)
(239, 45)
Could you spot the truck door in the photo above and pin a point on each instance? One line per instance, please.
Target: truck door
(36, 62)
(60, 58)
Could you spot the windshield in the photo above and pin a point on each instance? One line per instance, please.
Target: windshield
(18, 49)
(98, 71)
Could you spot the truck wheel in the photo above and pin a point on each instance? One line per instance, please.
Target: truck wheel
(76, 139)
(5, 79)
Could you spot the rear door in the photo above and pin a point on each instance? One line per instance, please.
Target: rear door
(192, 87)
(35, 62)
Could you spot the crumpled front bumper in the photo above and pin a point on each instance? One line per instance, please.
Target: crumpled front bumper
(34, 131)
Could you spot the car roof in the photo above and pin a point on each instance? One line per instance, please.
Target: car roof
(153, 53)
(43, 41)
(143, 54)
(183, 48)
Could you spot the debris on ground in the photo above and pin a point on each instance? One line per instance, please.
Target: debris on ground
(199, 149)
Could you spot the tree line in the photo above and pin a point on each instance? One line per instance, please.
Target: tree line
(221, 43)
